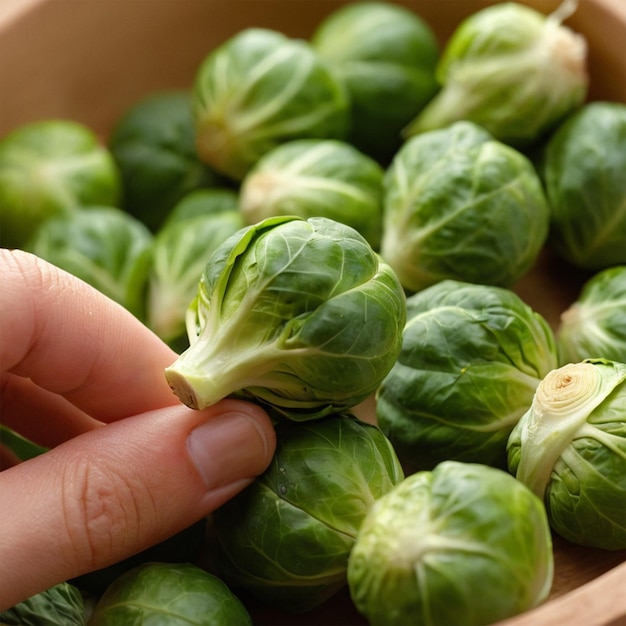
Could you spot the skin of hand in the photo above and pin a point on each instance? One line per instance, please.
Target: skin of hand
(128, 464)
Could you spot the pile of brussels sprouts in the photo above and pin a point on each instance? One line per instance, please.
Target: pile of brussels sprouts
(318, 222)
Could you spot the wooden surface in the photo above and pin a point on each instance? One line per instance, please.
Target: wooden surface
(89, 60)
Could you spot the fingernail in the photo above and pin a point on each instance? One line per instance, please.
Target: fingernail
(228, 448)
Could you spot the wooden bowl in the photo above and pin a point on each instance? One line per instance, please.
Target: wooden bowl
(89, 61)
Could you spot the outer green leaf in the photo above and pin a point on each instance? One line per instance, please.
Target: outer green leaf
(300, 314)
(463, 544)
(471, 359)
(287, 537)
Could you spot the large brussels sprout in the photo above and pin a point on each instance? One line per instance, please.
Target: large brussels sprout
(570, 449)
(459, 204)
(104, 246)
(461, 544)
(178, 256)
(472, 357)
(49, 168)
(169, 594)
(300, 314)
(595, 324)
(259, 89)
(154, 145)
(386, 56)
(584, 168)
(313, 178)
(511, 70)
(286, 538)
(61, 605)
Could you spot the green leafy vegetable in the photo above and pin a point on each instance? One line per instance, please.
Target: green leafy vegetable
(583, 166)
(459, 204)
(169, 594)
(386, 56)
(259, 89)
(316, 178)
(570, 449)
(50, 168)
(511, 70)
(472, 357)
(299, 314)
(286, 538)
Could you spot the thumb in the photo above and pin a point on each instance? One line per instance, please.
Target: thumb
(116, 490)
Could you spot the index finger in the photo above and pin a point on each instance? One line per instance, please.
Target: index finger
(72, 340)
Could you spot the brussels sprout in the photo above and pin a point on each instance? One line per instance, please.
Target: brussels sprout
(61, 605)
(584, 168)
(286, 538)
(459, 204)
(179, 253)
(511, 70)
(104, 246)
(49, 168)
(17, 445)
(570, 449)
(203, 202)
(595, 325)
(461, 544)
(386, 56)
(472, 357)
(313, 178)
(259, 89)
(300, 314)
(169, 594)
(154, 146)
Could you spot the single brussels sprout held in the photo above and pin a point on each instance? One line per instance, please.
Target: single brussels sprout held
(512, 70)
(259, 89)
(286, 538)
(169, 594)
(570, 449)
(317, 178)
(461, 544)
(51, 168)
(460, 205)
(472, 357)
(583, 167)
(301, 315)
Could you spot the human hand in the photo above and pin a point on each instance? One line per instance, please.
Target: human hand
(128, 465)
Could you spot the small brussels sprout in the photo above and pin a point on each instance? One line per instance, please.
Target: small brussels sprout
(459, 204)
(154, 146)
(104, 246)
(203, 202)
(461, 544)
(472, 357)
(316, 178)
(286, 538)
(178, 256)
(595, 325)
(511, 70)
(169, 594)
(49, 168)
(386, 55)
(570, 449)
(583, 166)
(61, 605)
(259, 89)
(299, 314)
